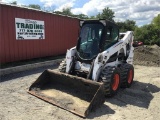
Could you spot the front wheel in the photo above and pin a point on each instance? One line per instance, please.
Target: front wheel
(62, 66)
(110, 77)
(127, 75)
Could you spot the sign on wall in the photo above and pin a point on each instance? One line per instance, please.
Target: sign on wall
(29, 29)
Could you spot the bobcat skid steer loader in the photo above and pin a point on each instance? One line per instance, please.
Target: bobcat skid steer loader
(99, 64)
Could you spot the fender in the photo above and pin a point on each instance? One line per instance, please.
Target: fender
(105, 55)
(69, 58)
(96, 70)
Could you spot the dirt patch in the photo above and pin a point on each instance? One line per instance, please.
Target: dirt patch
(139, 102)
(147, 55)
(62, 90)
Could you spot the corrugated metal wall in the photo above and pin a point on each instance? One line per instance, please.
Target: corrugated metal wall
(61, 33)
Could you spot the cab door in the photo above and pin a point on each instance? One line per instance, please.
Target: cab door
(111, 36)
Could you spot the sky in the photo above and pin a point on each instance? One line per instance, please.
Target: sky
(141, 11)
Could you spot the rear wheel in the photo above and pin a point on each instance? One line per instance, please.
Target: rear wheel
(62, 66)
(110, 77)
(127, 75)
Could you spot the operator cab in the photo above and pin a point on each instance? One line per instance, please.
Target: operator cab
(95, 37)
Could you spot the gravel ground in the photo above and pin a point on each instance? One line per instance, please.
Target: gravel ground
(139, 102)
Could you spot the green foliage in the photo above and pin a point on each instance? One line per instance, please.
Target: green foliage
(148, 34)
(81, 16)
(128, 25)
(106, 14)
(98, 16)
(35, 6)
(14, 3)
(65, 11)
(92, 17)
(156, 21)
(57, 12)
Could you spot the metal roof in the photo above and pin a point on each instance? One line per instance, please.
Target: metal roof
(24, 7)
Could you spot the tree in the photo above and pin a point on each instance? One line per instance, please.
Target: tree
(98, 16)
(14, 3)
(106, 14)
(128, 25)
(67, 11)
(81, 16)
(148, 34)
(35, 6)
(156, 21)
(92, 17)
(57, 12)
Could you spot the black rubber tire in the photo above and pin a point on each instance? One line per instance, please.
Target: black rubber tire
(125, 74)
(62, 66)
(107, 77)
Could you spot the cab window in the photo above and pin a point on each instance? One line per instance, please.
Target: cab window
(111, 38)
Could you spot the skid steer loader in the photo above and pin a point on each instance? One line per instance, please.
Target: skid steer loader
(99, 64)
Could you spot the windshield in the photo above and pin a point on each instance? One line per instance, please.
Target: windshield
(89, 40)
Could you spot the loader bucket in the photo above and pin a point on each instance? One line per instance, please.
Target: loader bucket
(72, 93)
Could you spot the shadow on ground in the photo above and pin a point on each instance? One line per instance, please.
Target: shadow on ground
(140, 94)
(13, 76)
(103, 110)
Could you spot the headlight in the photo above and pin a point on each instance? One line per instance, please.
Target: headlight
(100, 58)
